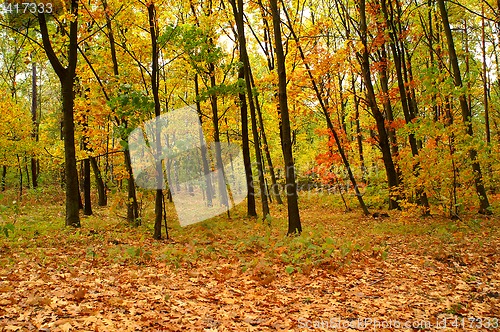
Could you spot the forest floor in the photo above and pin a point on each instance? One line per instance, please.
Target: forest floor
(345, 272)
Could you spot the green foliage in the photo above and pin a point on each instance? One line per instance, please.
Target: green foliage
(138, 254)
(5, 229)
(132, 105)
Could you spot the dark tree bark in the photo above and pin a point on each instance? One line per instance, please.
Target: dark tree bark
(87, 206)
(485, 80)
(267, 48)
(20, 177)
(329, 123)
(484, 204)
(132, 205)
(406, 99)
(4, 174)
(206, 169)
(359, 134)
(101, 188)
(34, 134)
(251, 211)
(153, 30)
(294, 224)
(87, 200)
(274, 184)
(388, 113)
(383, 140)
(238, 15)
(67, 78)
(26, 169)
(221, 183)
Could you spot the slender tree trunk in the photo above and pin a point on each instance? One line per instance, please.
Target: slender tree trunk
(251, 210)
(389, 115)
(206, 169)
(294, 224)
(274, 185)
(465, 39)
(405, 96)
(485, 80)
(153, 30)
(132, 205)
(71, 174)
(390, 169)
(221, 183)
(20, 177)
(268, 51)
(87, 207)
(430, 40)
(484, 204)
(238, 14)
(26, 169)
(34, 135)
(328, 120)
(4, 175)
(359, 134)
(67, 77)
(101, 188)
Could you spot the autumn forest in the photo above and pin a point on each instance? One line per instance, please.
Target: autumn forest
(227, 165)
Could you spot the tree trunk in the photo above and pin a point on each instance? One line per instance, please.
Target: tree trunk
(87, 206)
(484, 204)
(101, 188)
(20, 177)
(34, 104)
(132, 206)
(294, 224)
(153, 29)
(274, 185)
(485, 80)
(238, 15)
(67, 77)
(405, 96)
(26, 169)
(206, 169)
(390, 169)
(329, 123)
(251, 211)
(359, 134)
(4, 174)
(388, 113)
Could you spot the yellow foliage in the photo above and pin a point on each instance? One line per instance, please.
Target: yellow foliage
(15, 129)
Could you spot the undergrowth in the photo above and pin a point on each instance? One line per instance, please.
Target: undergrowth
(33, 228)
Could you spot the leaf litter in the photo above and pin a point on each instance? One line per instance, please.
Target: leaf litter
(243, 275)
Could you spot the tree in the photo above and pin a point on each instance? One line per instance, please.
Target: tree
(238, 15)
(329, 123)
(294, 225)
(484, 204)
(407, 103)
(155, 85)
(67, 79)
(251, 212)
(383, 138)
(34, 119)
